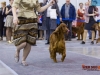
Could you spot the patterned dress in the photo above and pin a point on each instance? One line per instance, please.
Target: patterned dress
(26, 30)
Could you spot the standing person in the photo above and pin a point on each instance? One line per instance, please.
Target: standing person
(2, 19)
(40, 24)
(68, 14)
(50, 24)
(90, 13)
(80, 15)
(9, 21)
(86, 6)
(25, 30)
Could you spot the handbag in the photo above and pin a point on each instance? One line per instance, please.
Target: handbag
(53, 14)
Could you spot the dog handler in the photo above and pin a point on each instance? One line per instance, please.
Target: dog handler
(25, 25)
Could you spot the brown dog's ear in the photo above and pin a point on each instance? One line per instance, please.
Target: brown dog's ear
(57, 29)
(83, 24)
(94, 26)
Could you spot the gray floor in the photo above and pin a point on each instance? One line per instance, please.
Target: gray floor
(41, 64)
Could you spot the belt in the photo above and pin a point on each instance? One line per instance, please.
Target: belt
(23, 20)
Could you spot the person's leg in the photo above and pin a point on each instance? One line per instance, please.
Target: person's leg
(90, 34)
(95, 33)
(26, 51)
(93, 36)
(1, 33)
(41, 35)
(48, 30)
(8, 34)
(70, 30)
(38, 34)
(98, 34)
(21, 46)
(51, 30)
(84, 36)
(66, 35)
(5, 31)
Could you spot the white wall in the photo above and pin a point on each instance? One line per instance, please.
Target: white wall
(61, 2)
(74, 2)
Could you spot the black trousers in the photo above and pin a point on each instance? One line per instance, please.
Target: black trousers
(69, 25)
(48, 31)
(2, 29)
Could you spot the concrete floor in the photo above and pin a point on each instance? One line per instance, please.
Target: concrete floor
(41, 64)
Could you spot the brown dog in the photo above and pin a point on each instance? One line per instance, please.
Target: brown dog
(97, 27)
(57, 42)
(79, 30)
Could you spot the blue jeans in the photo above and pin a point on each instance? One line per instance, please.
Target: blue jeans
(90, 33)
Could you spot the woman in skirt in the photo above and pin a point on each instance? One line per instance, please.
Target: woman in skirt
(90, 13)
(25, 30)
(9, 21)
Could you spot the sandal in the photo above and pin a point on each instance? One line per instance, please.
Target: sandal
(16, 59)
(24, 63)
(1, 39)
(9, 42)
(40, 38)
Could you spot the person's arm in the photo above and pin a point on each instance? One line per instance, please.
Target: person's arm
(43, 8)
(87, 14)
(0, 12)
(15, 18)
(58, 12)
(74, 14)
(77, 13)
(14, 10)
(61, 12)
(7, 11)
(91, 14)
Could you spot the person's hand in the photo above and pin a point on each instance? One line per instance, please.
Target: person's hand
(60, 19)
(51, 2)
(10, 10)
(94, 14)
(15, 21)
(80, 17)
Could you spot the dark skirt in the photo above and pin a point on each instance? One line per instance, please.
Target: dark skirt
(25, 33)
(88, 26)
(40, 26)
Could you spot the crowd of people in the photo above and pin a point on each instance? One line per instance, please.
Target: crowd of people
(6, 21)
(23, 18)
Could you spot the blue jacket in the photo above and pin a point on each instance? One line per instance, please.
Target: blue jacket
(72, 12)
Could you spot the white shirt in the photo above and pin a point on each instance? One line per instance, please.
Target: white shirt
(48, 11)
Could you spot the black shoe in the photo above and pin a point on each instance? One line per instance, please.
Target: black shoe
(82, 42)
(90, 38)
(35, 45)
(47, 43)
(92, 42)
(69, 40)
(95, 39)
